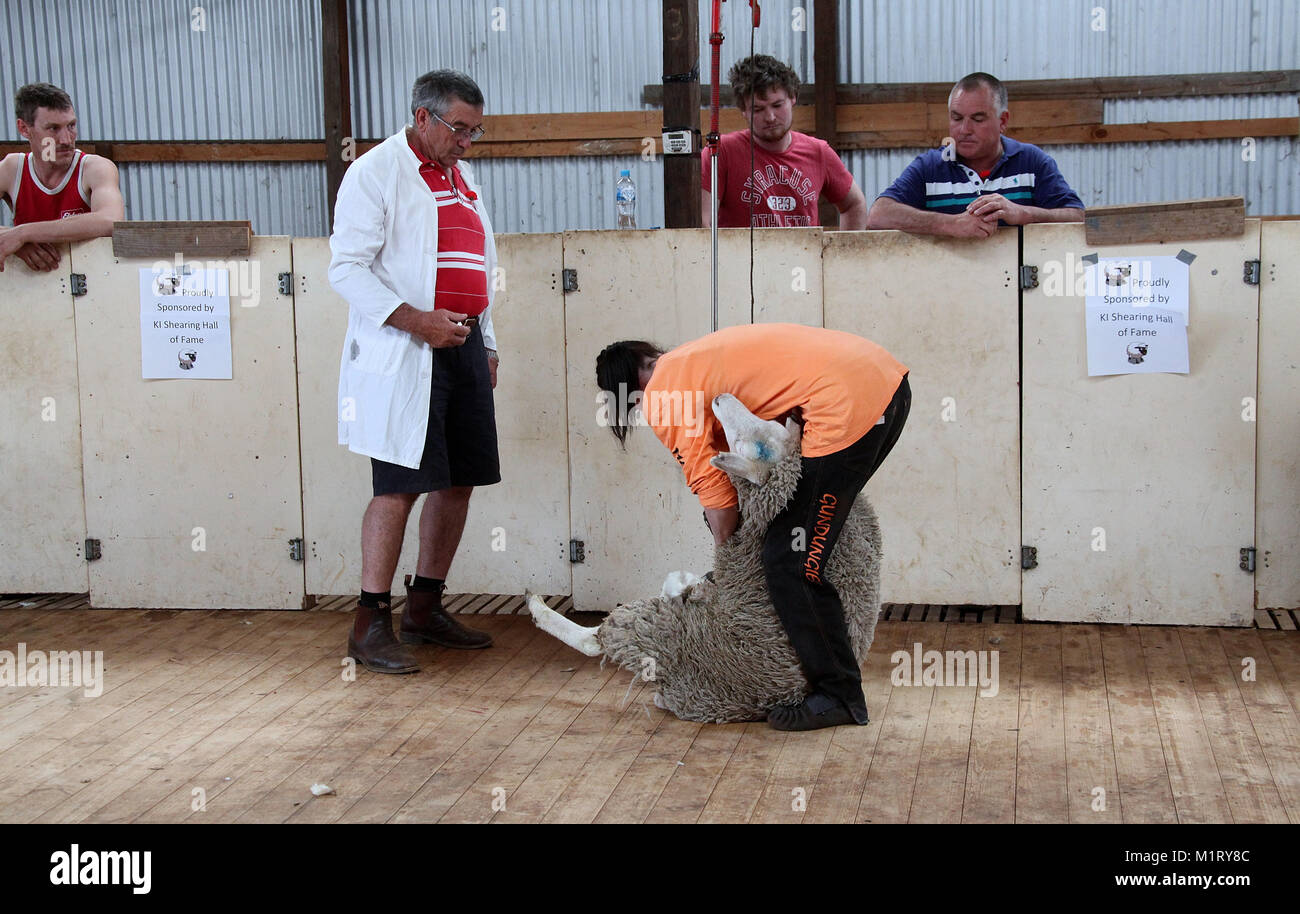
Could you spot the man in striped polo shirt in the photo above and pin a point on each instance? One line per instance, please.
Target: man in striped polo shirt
(412, 251)
(982, 179)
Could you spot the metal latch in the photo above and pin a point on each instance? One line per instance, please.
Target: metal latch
(286, 283)
(1028, 277)
(1247, 562)
(78, 281)
(577, 552)
(1028, 557)
(570, 277)
(295, 549)
(1250, 272)
(92, 550)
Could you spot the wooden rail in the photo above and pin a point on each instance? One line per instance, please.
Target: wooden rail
(867, 116)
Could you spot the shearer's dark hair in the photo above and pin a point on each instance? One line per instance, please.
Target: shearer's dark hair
(759, 74)
(618, 370)
(975, 81)
(39, 95)
(435, 90)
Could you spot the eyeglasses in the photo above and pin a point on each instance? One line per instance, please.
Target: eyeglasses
(473, 134)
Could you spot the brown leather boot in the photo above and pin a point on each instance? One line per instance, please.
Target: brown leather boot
(424, 621)
(378, 651)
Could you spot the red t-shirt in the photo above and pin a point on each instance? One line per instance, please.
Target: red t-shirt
(783, 188)
(461, 283)
(34, 202)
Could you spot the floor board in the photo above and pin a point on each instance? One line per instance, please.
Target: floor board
(229, 716)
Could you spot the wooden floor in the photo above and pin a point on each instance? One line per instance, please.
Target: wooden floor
(222, 716)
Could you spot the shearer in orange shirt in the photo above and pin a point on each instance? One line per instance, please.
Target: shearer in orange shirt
(852, 398)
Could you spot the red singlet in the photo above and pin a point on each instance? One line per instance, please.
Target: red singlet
(34, 202)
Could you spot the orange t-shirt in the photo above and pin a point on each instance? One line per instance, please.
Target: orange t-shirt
(842, 382)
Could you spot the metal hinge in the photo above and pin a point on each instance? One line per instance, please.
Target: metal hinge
(1247, 562)
(295, 549)
(577, 552)
(1028, 277)
(92, 550)
(1250, 272)
(78, 281)
(570, 280)
(1028, 557)
(286, 283)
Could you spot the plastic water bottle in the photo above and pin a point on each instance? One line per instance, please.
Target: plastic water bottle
(625, 200)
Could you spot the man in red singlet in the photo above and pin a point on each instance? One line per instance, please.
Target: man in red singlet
(57, 193)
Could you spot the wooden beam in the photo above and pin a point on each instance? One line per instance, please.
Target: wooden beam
(199, 151)
(338, 147)
(681, 56)
(1268, 82)
(192, 239)
(1159, 131)
(1090, 134)
(590, 125)
(1182, 220)
(886, 126)
(826, 64)
(1104, 87)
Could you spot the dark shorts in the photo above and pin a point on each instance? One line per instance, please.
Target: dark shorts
(460, 448)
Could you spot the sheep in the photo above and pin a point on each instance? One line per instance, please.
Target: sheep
(714, 646)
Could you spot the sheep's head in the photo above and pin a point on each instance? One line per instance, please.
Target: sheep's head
(756, 444)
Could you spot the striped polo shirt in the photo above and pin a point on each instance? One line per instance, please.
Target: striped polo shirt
(461, 283)
(1024, 174)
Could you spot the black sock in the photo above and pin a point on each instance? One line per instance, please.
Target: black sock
(373, 600)
(422, 583)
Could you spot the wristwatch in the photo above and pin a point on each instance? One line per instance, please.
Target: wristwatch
(492, 354)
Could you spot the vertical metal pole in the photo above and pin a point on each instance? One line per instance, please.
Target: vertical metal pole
(715, 42)
(713, 202)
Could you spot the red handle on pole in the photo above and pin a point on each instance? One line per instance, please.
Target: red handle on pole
(715, 40)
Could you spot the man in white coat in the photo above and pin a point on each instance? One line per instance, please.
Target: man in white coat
(412, 252)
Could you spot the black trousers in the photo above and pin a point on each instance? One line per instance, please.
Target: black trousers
(806, 602)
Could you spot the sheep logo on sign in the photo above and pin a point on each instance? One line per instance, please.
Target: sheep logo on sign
(1117, 273)
(1137, 352)
(187, 358)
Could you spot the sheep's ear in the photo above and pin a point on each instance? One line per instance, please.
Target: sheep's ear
(740, 466)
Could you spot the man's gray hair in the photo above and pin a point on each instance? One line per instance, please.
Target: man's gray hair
(983, 80)
(437, 89)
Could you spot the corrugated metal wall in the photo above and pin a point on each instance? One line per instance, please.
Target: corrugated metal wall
(883, 41)
(141, 70)
(161, 70)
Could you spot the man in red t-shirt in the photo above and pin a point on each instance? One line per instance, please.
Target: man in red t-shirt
(58, 194)
(791, 170)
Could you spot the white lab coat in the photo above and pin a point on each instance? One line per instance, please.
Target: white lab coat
(385, 252)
